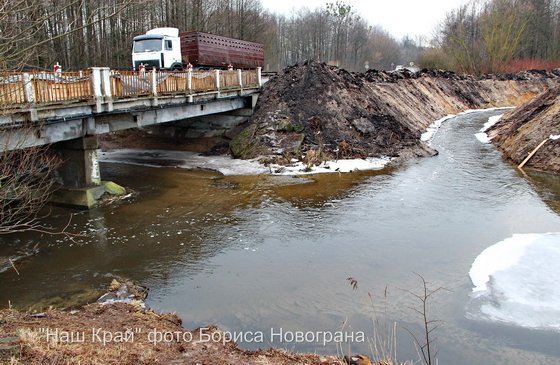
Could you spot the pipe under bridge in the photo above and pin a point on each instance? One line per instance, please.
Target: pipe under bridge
(69, 110)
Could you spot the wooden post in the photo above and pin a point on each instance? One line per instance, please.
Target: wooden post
(532, 154)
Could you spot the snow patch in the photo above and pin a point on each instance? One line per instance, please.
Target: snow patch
(482, 136)
(431, 131)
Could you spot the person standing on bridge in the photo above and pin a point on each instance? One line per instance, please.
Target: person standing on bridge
(57, 69)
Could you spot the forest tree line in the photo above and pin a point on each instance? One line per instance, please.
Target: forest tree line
(84, 33)
(497, 36)
(481, 36)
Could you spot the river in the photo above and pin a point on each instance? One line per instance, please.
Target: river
(271, 255)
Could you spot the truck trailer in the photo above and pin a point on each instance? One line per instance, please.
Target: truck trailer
(167, 49)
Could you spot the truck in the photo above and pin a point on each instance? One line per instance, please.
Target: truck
(167, 49)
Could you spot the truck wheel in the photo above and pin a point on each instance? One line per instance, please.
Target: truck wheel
(177, 68)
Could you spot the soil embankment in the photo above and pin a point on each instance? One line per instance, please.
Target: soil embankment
(315, 112)
(520, 131)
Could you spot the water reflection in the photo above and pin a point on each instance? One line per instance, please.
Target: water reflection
(548, 187)
(176, 221)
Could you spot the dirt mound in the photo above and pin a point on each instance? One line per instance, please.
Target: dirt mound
(327, 109)
(522, 130)
(314, 112)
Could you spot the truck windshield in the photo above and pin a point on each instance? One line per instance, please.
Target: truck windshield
(147, 45)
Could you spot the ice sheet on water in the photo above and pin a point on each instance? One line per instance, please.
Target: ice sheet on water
(230, 166)
(516, 281)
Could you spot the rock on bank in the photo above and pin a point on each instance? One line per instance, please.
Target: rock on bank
(314, 111)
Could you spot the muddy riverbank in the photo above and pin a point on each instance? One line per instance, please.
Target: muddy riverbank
(531, 133)
(118, 329)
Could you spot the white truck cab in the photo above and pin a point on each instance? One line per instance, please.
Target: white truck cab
(159, 48)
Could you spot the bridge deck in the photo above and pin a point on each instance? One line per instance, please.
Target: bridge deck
(59, 107)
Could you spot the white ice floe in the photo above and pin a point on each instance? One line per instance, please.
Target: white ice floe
(331, 166)
(516, 281)
(230, 166)
(431, 131)
(482, 136)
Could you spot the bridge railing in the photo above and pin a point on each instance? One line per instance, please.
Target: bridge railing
(44, 87)
(18, 89)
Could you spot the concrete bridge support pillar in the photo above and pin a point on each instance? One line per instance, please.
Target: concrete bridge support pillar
(79, 175)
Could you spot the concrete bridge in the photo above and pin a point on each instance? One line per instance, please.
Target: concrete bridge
(69, 110)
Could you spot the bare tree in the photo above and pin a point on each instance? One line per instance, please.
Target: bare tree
(26, 183)
(33, 31)
(503, 23)
(489, 36)
(460, 38)
(383, 49)
(28, 30)
(342, 19)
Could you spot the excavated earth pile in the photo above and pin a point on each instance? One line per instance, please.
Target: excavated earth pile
(313, 112)
(520, 131)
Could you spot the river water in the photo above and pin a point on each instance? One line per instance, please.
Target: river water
(271, 255)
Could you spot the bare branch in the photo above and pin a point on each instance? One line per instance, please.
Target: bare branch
(424, 342)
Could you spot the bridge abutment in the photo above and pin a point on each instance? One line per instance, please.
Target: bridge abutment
(79, 175)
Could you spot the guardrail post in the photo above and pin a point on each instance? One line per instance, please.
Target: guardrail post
(218, 83)
(28, 92)
(240, 78)
(259, 74)
(153, 82)
(189, 85)
(106, 85)
(96, 87)
(29, 95)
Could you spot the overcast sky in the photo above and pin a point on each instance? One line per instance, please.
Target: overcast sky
(400, 17)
